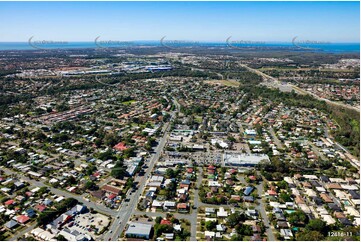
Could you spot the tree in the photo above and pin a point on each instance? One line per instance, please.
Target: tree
(244, 229)
(297, 217)
(235, 218)
(236, 237)
(210, 225)
(110, 139)
(46, 217)
(106, 155)
(170, 173)
(119, 170)
(316, 224)
(62, 107)
(184, 234)
(42, 190)
(162, 228)
(285, 197)
(309, 236)
(130, 152)
(61, 238)
(89, 185)
(158, 219)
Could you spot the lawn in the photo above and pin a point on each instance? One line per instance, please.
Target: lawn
(128, 102)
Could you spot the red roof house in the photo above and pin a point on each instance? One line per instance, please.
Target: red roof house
(40, 207)
(120, 146)
(9, 202)
(182, 206)
(272, 192)
(23, 219)
(165, 221)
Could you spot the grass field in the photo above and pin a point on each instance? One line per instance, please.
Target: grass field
(230, 83)
(128, 102)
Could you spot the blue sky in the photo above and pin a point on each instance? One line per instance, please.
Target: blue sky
(198, 21)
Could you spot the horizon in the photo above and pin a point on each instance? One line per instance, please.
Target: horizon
(202, 41)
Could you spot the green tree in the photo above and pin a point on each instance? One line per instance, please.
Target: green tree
(316, 224)
(297, 218)
(235, 218)
(211, 225)
(61, 238)
(309, 236)
(119, 170)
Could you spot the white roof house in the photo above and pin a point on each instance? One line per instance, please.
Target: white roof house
(222, 213)
(209, 234)
(157, 203)
(352, 211)
(214, 184)
(328, 219)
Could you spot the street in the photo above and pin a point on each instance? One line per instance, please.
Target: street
(127, 208)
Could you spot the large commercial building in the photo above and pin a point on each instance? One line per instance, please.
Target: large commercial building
(240, 159)
(138, 230)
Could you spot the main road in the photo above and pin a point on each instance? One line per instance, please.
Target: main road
(127, 208)
(298, 89)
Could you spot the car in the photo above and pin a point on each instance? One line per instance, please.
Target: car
(118, 216)
(120, 222)
(110, 231)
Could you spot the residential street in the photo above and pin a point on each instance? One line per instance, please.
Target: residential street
(127, 208)
(261, 208)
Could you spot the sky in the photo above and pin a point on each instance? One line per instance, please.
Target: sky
(196, 21)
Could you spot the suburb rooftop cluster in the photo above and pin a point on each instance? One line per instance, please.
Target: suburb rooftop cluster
(203, 143)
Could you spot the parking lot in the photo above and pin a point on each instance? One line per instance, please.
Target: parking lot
(88, 223)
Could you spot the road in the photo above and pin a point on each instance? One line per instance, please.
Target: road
(261, 207)
(297, 89)
(275, 139)
(246, 146)
(196, 203)
(127, 208)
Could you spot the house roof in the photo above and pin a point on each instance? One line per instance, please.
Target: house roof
(111, 189)
(120, 146)
(248, 191)
(9, 202)
(40, 207)
(22, 219)
(345, 221)
(165, 221)
(11, 224)
(181, 205)
(248, 198)
(334, 186)
(111, 196)
(272, 192)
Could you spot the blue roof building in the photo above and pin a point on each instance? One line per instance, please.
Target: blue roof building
(248, 191)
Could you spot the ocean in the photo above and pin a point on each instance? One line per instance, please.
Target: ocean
(325, 47)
